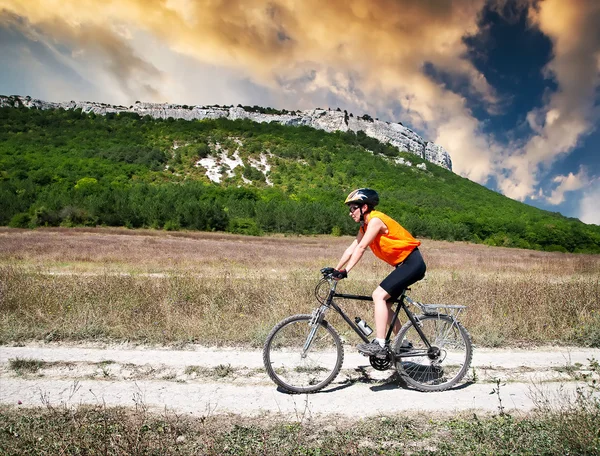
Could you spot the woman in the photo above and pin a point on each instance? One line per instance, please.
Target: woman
(390, 242)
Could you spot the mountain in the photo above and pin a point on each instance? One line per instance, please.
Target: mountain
(395, 134)
(71, 168)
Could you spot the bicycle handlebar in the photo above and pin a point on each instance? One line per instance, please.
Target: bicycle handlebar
(327, 271)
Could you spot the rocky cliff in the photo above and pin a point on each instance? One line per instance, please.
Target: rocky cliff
(394, 133)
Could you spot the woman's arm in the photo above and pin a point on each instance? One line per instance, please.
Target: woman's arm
(374, 227)
(348, 253)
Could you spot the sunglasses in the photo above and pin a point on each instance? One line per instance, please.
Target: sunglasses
(353, 208)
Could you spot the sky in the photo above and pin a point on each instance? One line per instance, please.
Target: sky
(511, 89)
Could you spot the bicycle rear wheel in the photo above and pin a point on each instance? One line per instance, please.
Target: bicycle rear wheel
(441, 366)
(303, 358)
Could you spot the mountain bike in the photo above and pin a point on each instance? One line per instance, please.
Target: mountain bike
(432, 351)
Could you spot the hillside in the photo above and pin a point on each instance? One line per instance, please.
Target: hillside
(67, 167)
(330, 120)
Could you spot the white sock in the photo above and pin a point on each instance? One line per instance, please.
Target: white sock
(380, 341)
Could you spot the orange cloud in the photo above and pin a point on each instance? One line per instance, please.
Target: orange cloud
(271, 38)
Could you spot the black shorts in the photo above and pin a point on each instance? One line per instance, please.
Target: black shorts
(411, 270)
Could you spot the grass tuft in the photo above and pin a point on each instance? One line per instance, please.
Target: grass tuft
(26, 365)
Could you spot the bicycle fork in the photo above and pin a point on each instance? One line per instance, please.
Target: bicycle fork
(315, 321)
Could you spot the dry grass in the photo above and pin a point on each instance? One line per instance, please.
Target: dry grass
(215, 288)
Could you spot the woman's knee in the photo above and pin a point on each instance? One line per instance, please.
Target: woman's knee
(380, 294)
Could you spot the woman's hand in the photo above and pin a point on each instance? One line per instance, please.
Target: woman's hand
(339, 275)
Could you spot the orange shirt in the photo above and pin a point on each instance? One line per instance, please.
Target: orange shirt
(395, 246)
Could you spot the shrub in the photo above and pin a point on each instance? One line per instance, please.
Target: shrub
(172, 225)
(246, 226)
(20, 220)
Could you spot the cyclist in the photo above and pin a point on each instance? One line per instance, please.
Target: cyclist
(393, 244)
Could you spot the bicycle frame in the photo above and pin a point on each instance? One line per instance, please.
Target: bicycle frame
(432, 352)
(330, 303)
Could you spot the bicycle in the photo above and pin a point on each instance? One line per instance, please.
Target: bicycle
(432, 351)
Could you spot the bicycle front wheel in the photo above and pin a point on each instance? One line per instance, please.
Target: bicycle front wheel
(303, 358)
(439, 367)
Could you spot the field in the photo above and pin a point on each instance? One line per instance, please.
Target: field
(183, 290)
(174, 288)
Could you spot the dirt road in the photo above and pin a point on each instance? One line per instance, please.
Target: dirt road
(201, 381)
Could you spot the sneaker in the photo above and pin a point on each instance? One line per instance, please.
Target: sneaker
(372, 349)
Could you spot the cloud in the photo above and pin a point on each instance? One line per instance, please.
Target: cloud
(589, 209)
(91, 50)
(570, 113)
(568, 183)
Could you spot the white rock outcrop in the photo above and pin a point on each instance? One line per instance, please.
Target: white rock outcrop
(395, 134)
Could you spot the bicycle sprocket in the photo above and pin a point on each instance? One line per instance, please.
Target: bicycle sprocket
(380, 364)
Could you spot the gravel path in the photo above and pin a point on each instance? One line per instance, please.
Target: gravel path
(201, 381)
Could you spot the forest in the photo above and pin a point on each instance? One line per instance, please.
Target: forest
(69, 168)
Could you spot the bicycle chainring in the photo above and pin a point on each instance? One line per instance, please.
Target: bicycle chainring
(380, 364)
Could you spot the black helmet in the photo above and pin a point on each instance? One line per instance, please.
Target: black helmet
(363, 196)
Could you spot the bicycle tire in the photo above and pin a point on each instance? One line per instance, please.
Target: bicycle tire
(282, 355)
(434, 373)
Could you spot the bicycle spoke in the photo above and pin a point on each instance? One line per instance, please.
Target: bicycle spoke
(446, 363)
(303, 358)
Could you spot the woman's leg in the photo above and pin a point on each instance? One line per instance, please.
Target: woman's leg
(398, 323)
(382, 311)
(411, 270)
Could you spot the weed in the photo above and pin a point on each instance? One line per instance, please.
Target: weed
(26, 365)
(223, 370)
(191, 370)
(571, 369)
(309, 369)
(496, 391)
(106, 430)
(220, 371)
